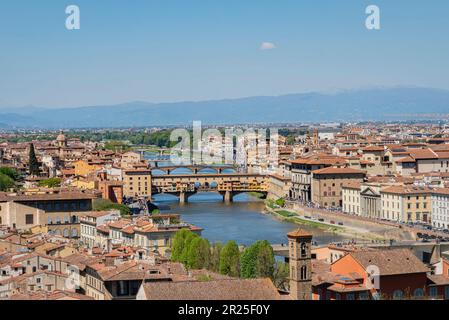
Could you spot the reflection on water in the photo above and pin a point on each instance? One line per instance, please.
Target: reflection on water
(243, 220)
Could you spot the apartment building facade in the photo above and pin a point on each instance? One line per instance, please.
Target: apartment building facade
(327, 184)
(407, 203)
(440, 208)
(137, 183)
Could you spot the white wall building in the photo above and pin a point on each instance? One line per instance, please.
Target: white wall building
(440, 208)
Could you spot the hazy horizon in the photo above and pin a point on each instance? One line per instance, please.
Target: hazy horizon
(322, 92)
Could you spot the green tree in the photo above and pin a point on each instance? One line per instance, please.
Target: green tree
(106, 204)
(177, 245)
(248, 262)
(280, 202)
(33, 163)
(265, 260)
(185, 250)
(257, 260)
(10, 172)
(6, 182)
(198, 254)
(230, 259)
(215, 257)
(50, 183)
(280, 276)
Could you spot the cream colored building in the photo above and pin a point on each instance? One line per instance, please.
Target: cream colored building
(351, 198)
(152, 233)
(58, 209)
(440, 208)
(89, 224)
(279, 187)
(406, 203)
(137, 183)
(128, 159)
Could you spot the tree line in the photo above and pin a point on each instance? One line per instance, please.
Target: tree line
(256, 261)
(8, 178)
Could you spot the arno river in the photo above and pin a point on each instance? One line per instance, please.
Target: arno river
(244, 220)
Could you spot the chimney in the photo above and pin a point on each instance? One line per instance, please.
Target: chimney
(109, 261)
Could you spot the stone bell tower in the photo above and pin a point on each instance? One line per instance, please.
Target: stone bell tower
(300, 260)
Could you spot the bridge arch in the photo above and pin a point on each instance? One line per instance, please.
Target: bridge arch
(181, 170)
(158, 171)
(165, 197)
(208, 170)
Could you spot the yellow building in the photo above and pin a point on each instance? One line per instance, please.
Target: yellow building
(80, 182)
(83, 168)
(137, 183)
(407, 203)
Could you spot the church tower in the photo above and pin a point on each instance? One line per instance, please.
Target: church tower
(60, 140)
(315, 138)
(300, 260)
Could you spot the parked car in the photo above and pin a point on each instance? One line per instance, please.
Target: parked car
(340, 223)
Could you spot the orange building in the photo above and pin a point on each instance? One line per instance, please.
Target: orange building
(398, 273)
(83, 168)
(112, 190)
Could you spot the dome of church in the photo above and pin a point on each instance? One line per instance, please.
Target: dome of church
(60, 137)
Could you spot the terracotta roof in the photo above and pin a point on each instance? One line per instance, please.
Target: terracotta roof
(103, 228)
(232, 289)
(390, 262)
(50, 195)
(320, 159)
(374, 148)
(55, 295)
(406, 159)
(332, 170)
(438, 279)
(97, 214)
(119, 224)
(299, 233)
(442, 154)
(441, 191)
(407, 190)
(130, 271)
(351, 185)
(420, 154)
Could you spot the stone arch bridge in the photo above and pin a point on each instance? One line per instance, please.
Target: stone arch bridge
(227, 184)
(195, 169)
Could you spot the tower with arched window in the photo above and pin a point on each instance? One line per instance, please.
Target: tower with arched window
(300, 260)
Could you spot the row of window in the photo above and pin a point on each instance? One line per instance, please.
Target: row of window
(65, 233)
(66, 220)
(330, 193)
(55, 206)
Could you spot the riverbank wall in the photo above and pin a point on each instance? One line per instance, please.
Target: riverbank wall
(383, 230)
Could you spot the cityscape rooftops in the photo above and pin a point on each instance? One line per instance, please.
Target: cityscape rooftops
(390, 262)
(411, 190)
(332, 170)
(225, 289)
(49, 194)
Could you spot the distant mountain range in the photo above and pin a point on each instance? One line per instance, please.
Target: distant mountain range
(397, 103)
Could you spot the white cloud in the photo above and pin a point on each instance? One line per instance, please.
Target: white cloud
(267, 46)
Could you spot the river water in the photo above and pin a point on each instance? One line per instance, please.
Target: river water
(244, 220)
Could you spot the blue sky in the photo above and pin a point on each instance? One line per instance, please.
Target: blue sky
(167, 50)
